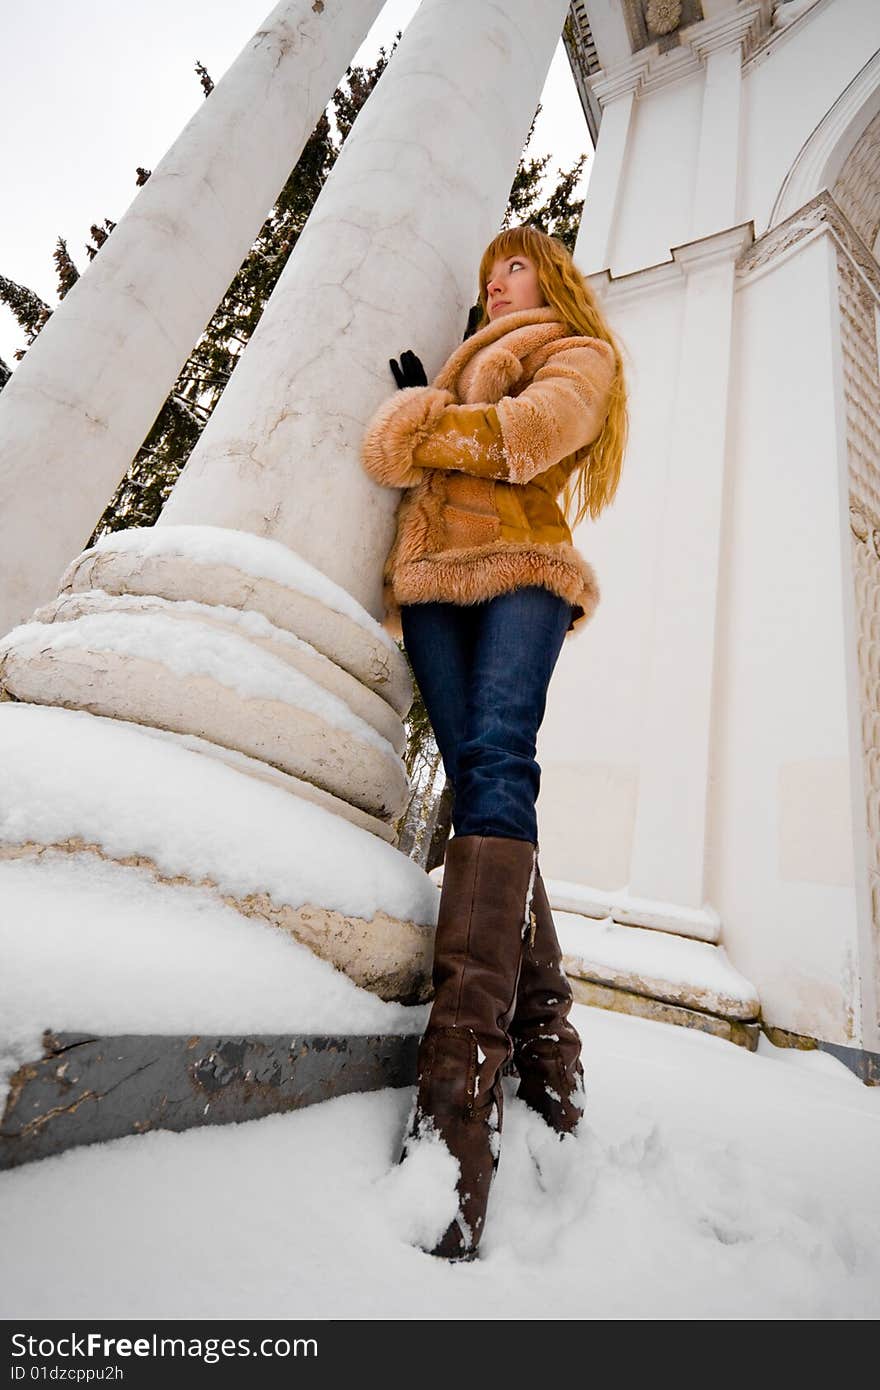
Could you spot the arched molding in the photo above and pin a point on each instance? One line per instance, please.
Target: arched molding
(823, 154)
(857, 188)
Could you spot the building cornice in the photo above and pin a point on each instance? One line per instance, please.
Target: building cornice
(744, 27)
(778, 34)
(705, 253)
(820, 215)
(708, 251)
(628, 77)
(750, 27)
(649, 70)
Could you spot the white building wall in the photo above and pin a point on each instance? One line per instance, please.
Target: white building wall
(790, 853)
(789, 90)
(781, 831)
(655, 209)
(590, 739)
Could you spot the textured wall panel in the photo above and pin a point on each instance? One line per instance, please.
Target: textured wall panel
(862, 391)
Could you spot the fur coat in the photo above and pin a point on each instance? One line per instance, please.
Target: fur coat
(484, 454)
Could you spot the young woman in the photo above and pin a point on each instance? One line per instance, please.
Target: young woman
(487, 584)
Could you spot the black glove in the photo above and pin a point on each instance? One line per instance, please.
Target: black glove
(474, 317)
(410, 372)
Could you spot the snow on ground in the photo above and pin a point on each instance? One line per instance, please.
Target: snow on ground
(709, 1183)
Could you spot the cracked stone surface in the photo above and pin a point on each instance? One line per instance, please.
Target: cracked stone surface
(85, 1090)
(380, 266)
(93, 384)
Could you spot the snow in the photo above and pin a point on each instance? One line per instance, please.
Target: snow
(102, 947)
(787, 11)
(267, 772)
(527, 915)
(703, 923)
(587, 944)
(709, 1182)
(247, 619)
(196, 649)
(254, 555)
(68, 775)
(589, 941)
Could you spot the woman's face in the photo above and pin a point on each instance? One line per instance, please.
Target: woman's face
(513, 285)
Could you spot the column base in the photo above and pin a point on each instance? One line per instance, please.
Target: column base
(112, 797)
(231, 639)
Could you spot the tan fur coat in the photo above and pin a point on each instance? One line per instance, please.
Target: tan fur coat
(484, 454)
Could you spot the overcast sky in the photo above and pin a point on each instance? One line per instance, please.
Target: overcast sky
(90, 91)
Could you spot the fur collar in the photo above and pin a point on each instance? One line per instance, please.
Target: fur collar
(485, 366)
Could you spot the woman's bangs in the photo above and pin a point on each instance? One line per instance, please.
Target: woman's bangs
(506, 243)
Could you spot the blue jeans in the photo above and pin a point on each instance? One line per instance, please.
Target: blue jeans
(483, 670)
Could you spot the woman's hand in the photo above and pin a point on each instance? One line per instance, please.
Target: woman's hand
(409, 372)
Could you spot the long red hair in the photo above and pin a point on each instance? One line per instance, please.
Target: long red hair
(597, 473)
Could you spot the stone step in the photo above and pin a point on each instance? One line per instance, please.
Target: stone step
(675, 970)
(87, 1089)
(743, 1033)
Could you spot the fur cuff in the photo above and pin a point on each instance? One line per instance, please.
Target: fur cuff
(396, 430)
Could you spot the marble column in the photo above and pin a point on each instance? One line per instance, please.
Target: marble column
(388, 260)
(82, 401)
(249, 617)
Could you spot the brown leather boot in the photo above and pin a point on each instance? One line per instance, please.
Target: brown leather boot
(546, 1046)
(484, 911)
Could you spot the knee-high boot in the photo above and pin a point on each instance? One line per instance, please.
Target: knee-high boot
(483, 916)
(546, 1046)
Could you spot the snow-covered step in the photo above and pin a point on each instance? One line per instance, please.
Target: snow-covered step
(663, 971)
(656, 965)
(193, 677)
(701, 923)
(84, 796)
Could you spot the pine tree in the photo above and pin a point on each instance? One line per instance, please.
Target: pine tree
(67, 271)
(29, 309)
(205, 77)
(101, 233)
(560, 213)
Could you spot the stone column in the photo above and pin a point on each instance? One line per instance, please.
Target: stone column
(248, 617)
(388, 260)
(82, 401)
